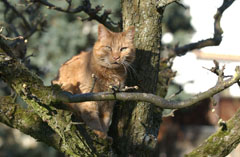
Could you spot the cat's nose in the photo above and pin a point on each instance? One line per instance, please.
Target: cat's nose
(116, 57)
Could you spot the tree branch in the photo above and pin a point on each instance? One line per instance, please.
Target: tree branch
(30, 123)
(165, 3)
(222, 142)
(86, 7)
(124, 96)
(74, 140)
(19, 31)
(67, 97)
(8, 5)
(217, 37)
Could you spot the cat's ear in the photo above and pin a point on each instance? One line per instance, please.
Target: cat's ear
(103, 32)
(129, 33)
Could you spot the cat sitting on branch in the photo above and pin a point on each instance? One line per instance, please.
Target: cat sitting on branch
(112, 54)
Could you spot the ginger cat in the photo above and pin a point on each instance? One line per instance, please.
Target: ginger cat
(108, 63)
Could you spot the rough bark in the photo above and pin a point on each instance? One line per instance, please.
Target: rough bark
(135, 125)
(73, 140)
(222, 142)
(26, 121)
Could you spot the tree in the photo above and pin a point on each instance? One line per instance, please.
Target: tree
(137, 117)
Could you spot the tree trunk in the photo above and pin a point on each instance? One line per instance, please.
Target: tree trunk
(135, 125)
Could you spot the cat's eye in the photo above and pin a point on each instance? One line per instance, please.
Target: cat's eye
(123, 48)
(108, 48)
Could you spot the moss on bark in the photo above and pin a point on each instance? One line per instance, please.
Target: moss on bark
(222, 142)
(73, 140)
(26, 121)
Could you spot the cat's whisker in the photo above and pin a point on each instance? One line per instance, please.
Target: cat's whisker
(125, 68)
(133, 70)
(130, 69)
(130, 66)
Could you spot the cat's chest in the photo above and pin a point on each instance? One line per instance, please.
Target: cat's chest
(105, 79)
(99, 84)
(103, 84)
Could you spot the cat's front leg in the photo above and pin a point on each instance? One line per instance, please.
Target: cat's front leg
(89, 112)
(105, 114)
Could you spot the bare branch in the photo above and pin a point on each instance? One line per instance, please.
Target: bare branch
(9, 38)
(219, 72)
(180, 89)
(86, 7)
(148, 97)
(217, 37)
(223, 141)
(165, 3)
(69, 10)
(8, 5)
(94, 82)
(17, 34)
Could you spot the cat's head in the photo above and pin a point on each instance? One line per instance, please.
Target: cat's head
(114, 50)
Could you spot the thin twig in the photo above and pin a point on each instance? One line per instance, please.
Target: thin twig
(217, 37)
(219, 72)
(165, 3)
(9, 38)
(69, 4)
(180, 89)
(86, 7)
(94, 82)
(8, 5)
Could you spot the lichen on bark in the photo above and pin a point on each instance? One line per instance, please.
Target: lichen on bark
(26, 121)
(72, 140)
(222, 142)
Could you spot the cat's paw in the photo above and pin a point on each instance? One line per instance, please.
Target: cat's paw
(103, 135)
(100, 134)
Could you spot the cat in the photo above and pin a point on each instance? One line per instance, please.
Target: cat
(106, 65)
